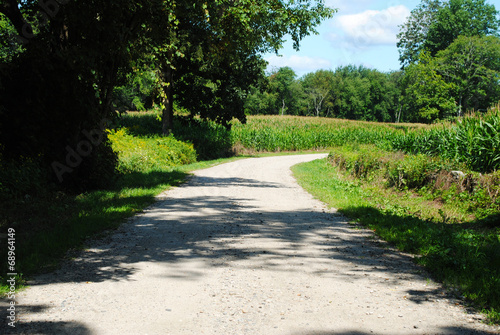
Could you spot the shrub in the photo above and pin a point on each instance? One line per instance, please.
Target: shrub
(413, 171)
(149, 153)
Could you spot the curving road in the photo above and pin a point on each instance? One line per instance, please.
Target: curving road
(241, 249)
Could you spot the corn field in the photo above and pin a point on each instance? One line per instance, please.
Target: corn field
(473, 140)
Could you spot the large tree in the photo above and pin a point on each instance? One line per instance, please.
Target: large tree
(60, 87)
(434, 25)
(283, 83)
(472, 65)
(223, 38)
(75, 53)
(461, 18)
(414, 31)
(462, 77)
(317, 87)
(428, 96)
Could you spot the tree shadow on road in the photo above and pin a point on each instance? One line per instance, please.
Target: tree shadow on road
(443, 331)
(213, 229)
(38, 327)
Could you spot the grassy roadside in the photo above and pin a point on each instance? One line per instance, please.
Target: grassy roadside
(465, 255)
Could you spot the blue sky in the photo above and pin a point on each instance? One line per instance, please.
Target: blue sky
(362, 32)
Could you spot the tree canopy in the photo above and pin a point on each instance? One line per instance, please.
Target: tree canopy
(434, 25)
(64, 59)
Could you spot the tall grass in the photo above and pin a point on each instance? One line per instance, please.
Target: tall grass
(473, 140)
(288, 133)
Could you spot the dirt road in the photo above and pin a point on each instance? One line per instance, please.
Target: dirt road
(240, 249)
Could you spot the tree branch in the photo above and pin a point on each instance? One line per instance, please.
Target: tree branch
(10, 8)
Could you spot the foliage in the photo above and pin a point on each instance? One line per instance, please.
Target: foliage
(9, 46)
(45, 120)
(61, 86)
(214, 48)
(450, 53)
(413, 33)
(428, 97)
(149, 154)
(138, 93)
(287, 92)
(461, 18)
(398, 170)
(20, 178)
(209, 139)
(472, 66)
(474, 140)
(460, 78)
(77, 55)
(434, 25)
(348, 92)
(317, 87)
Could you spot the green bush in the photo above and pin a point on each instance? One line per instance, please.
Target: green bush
(210, 140)
(412, 171)
(361, 161)
(400, 171)
(149, 153)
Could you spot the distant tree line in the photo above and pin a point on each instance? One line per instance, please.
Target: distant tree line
(450, 63)
(349, 92)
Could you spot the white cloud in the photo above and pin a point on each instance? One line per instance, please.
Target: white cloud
(300, 64)
(369, 28)
(348, 6)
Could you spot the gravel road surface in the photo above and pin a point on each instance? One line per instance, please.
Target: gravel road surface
(240, 249)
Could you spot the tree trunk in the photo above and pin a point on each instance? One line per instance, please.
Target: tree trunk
(460, 107)
(168, 100)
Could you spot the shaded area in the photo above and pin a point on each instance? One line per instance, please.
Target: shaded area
(49, 226)
(210, 140)
(443, 331)
(211, 229)
(37, 327)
